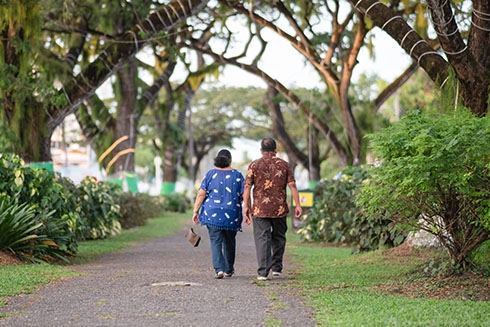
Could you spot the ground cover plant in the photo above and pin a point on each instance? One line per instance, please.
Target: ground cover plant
(393, 287)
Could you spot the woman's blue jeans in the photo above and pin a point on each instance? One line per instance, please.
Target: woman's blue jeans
(223, 249)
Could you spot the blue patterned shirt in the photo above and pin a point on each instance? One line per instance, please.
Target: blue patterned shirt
(222, 206)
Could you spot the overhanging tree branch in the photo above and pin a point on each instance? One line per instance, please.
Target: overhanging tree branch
(109, 61)
(393, 24)
(290, 96)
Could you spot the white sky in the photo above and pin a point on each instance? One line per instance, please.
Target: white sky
(285, 64)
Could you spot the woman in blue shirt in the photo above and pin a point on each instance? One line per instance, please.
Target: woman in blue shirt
(218, 206)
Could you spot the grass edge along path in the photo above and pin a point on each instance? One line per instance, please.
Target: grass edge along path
(345, 290)
(23, 279)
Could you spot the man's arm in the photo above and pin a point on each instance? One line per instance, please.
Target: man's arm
(247, 203)
(298, 211)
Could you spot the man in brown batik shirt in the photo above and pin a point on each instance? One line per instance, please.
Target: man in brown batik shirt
(269, 177)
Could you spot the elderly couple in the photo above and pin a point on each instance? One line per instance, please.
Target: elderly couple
(218, 206)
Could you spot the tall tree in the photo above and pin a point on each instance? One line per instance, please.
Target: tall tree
(23, 86)
(468, 58)
(48, 106)
(122, 111)
(338, 58)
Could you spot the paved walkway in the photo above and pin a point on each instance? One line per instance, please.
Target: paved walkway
(166, 282)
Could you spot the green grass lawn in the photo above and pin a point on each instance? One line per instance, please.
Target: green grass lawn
(362, 290)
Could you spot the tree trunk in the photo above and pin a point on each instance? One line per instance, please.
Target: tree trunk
(470, 62)
(169, 166)
(126, 121)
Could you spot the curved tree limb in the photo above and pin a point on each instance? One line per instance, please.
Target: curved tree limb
(393, 24)
(294, 99)
(86, 83)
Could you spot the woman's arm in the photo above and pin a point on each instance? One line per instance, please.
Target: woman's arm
(201, 195)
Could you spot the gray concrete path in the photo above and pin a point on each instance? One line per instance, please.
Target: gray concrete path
(165, 282)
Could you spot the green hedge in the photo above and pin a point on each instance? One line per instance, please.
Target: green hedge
(335, 217)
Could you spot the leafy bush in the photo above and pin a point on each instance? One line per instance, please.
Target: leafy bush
(336, 218)
(99, 210)
(23, 232)
(176, 202)
(480, 258)
(44, 192)
(132, 210)
(434, 175)
(154, 205)
(11, 174)
(46, 196)
(136, 208)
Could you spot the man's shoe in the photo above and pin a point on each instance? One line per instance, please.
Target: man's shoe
(219, 275)
(276, 273)
(229, 274)
(261, 278)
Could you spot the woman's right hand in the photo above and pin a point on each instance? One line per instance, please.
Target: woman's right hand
(195, 218)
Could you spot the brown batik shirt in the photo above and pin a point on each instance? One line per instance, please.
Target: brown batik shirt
(269, 177)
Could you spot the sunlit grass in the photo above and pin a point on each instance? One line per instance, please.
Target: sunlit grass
(341, 288)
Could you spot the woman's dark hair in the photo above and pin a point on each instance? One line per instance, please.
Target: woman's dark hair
(223, 158)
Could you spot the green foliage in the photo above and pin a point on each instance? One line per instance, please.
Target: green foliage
(43, 190)
(99, 210)
(480, 258)
(153, 206)
(17, 225)
(176, 202)
(66, 213)
(434, 174)
(51, 205)
(137, 207)
(336, 218)
(30, 235)
(11, 174)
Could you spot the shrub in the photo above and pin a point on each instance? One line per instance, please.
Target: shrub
(154, 205)
(46, 196)
(136, 208)
(336, 218)
(434, 175)
(23, 232)
(480, 258)
(132, 213)
(11, 174)
(44, 192)
(99, 210)
(176, 202)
